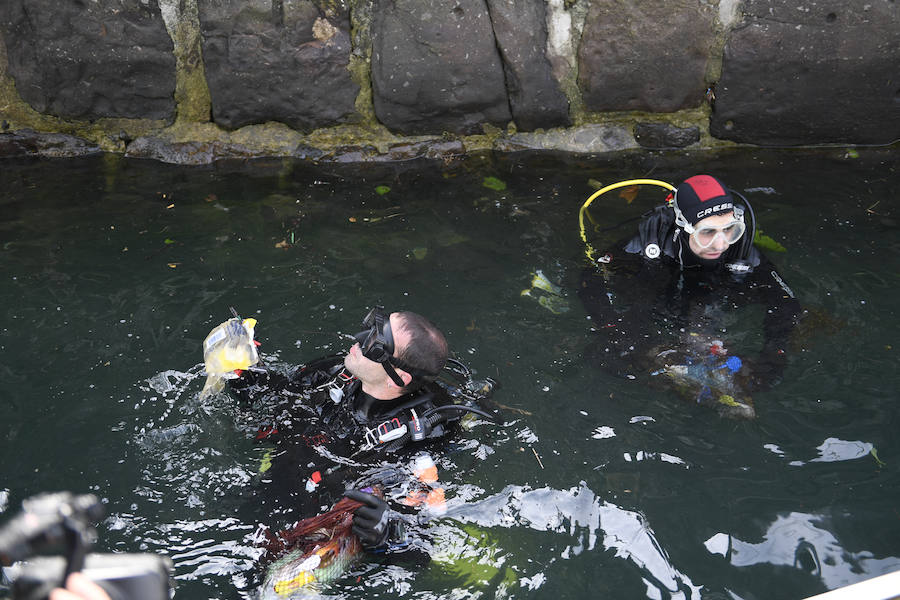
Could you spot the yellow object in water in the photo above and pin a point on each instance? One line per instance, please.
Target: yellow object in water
(553, 300)
(540, 281)
(288, 586)
(728, 400)
(228, 347)
(266, 463)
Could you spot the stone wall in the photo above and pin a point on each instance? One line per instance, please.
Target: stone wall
(195, 80)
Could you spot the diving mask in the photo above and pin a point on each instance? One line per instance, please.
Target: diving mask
(704, 236)
(376, 342)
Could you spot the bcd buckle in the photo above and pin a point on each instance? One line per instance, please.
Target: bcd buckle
(336, 386)
(387, 431)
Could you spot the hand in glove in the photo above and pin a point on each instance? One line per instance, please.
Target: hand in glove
(371, 522)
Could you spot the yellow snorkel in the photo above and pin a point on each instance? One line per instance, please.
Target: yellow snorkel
(589, 250)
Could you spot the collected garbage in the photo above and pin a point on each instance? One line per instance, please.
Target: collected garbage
(712, 378)
(228, 348)
(548, 294)
(312, 553)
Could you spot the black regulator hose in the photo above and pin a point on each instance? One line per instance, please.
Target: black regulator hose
(459, 407)
(747, 242)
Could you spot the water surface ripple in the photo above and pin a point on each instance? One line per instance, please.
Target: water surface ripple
(115, 270)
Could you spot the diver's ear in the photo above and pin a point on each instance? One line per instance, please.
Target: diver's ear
(404, 376)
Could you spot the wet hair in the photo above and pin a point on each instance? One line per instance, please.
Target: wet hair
(426, 349)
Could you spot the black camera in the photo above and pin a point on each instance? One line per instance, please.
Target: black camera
(64, 519)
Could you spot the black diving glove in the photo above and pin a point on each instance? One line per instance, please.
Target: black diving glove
(372, 521)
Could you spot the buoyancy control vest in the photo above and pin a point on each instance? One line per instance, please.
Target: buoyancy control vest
(323, 402)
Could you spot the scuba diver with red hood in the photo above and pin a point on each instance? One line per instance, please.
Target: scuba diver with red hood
(663, 300)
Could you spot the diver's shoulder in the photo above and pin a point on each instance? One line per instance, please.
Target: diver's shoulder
(659, 215)
(323, 362)
(653, 236)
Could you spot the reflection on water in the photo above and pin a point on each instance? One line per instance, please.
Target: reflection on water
(833, 450)
(804, 542)
(113, 271)
(583, 519)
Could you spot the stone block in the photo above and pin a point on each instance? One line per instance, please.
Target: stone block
(822, 72)
(435, 149)
(436, 67)
(186, 153)
(590, 138)
(278, 60)
(645, 55)
(535, 98)
(90, 60)
(665, 135)
(27, 142)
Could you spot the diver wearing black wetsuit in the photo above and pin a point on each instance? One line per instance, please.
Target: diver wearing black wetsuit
(680, 287)
(336, 417)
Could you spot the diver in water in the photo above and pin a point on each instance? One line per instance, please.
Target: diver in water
(340, 415)
(693, 261)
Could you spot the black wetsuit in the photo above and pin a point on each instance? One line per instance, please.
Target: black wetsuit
(651, 295)
(325, 431)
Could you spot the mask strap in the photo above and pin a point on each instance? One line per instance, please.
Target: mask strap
(750, 228)
(395, 377)
(680, 220)
(383, 327)
(388, 335)
(414, 371)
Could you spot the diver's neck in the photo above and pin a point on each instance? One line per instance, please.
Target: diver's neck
(381, 391)
(365, 405)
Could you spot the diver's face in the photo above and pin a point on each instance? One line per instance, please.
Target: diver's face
(358, 364)
(720, 242)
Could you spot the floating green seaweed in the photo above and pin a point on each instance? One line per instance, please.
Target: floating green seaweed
(381, 190)
(493, 183)
(767, 243)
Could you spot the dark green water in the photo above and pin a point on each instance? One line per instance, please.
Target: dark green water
(113, 271)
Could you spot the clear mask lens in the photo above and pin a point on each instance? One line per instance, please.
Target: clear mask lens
(732, 232)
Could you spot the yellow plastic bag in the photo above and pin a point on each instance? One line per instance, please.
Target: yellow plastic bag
(228, 347)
